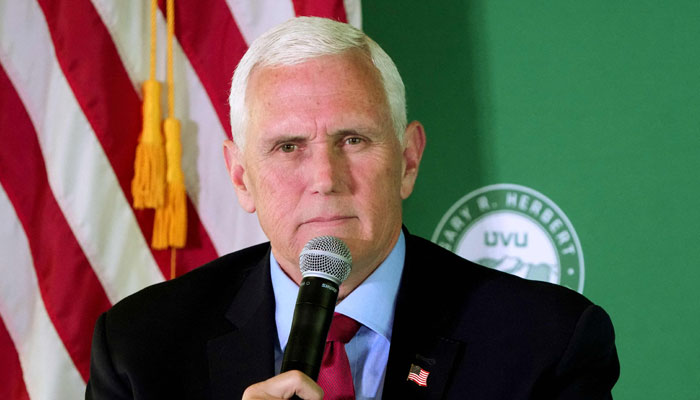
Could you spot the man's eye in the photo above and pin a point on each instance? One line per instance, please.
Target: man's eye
(288, 147)
(353, 140)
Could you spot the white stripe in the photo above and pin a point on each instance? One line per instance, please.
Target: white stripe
(255, 17)
(228, 225)
(79, 173)
(353, 10)
(136, 17)
(49, 372)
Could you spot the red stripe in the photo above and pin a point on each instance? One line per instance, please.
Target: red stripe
(213, 43)
(333, 9)
(72, 295)
(13, 387)
(92, 66)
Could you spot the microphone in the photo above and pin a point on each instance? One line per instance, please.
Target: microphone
(325, 262)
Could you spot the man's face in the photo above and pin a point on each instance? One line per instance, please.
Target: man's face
(322, 158)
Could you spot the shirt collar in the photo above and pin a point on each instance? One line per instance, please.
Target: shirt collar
(371, 303)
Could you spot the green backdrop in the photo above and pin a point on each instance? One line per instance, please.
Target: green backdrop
(594, 104)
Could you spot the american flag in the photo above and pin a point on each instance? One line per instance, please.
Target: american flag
(418, 375)
(71, 244)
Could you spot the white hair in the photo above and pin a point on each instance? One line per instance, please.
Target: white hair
(302, 39)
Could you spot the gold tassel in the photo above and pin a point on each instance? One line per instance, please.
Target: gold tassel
(148, 185)
(170, 226)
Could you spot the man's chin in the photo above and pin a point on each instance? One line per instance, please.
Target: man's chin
(344, 229)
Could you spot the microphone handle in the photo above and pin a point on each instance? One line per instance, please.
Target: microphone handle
(312, 319)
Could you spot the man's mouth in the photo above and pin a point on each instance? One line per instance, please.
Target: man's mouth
(329, 220)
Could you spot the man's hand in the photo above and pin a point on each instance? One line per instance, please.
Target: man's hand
(284, 386)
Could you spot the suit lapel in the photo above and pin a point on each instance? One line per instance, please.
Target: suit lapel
(419, 339)
(245, 355)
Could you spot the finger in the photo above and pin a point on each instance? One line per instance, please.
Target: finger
(284, 386)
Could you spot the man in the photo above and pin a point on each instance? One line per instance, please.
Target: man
(321, 147)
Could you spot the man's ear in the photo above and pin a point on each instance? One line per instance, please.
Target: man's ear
(414, 139)
(237, 173)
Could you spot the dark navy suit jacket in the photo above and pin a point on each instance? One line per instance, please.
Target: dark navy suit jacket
(479, 333)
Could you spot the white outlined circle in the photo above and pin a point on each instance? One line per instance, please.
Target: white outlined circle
(515, 229)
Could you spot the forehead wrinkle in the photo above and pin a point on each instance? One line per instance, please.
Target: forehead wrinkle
(292, 124)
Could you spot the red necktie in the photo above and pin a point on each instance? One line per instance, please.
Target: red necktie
(335, 378)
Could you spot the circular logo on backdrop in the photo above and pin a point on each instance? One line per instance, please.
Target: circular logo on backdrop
(514, 229)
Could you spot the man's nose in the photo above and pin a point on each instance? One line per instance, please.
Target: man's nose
(327, 170)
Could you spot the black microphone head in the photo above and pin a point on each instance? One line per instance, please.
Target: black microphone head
(326, 257)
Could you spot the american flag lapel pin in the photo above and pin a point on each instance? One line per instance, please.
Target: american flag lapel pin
(418, 375)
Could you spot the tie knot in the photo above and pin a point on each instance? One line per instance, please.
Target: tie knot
(343, 328)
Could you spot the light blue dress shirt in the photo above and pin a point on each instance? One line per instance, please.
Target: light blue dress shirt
(371, 304)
